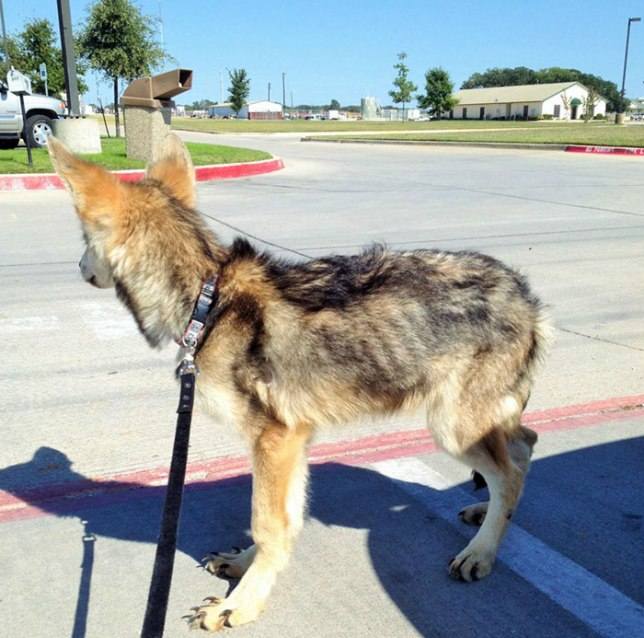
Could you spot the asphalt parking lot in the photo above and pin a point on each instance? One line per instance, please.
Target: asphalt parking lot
(89, 413)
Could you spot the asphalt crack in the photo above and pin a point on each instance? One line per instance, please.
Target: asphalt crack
(600, 339)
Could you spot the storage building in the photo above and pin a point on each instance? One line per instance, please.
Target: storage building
(560, 101)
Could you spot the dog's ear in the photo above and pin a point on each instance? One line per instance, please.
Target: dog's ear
(174, 170)
(96, 192)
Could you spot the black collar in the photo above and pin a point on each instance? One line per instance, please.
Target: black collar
(206, 301)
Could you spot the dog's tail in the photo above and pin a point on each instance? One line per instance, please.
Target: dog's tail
(543, 338)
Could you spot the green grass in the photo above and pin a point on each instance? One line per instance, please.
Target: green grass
(317, 126)
(593, 134)
(113, 157)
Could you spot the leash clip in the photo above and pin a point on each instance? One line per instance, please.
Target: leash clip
(188, 365)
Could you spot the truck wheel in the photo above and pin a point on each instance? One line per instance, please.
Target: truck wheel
(9, 143)
(37, 130)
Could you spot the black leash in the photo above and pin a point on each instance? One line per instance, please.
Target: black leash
(157, 605)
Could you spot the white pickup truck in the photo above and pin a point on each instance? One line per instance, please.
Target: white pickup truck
(40, 111)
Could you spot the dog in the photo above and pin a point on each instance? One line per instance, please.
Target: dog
(293, 346)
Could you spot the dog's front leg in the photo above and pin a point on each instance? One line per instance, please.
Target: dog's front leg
(279, 488)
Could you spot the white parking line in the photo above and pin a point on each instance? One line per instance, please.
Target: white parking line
(593, 601)
(107, 322)
(16, 325)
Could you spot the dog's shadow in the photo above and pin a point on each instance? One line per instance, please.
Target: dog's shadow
(409, 544)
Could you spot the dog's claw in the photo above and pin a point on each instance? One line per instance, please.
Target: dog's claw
(455, 569)
(194, 621)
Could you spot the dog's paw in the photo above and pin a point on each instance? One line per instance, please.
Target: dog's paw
(212, 617)
(219, 613)
(474, 514)
(471, 564)
(233, 564)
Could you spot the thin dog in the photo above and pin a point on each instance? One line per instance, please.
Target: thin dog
(293, 346)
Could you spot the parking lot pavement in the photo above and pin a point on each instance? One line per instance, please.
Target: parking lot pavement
(76, 556)
(88, 402)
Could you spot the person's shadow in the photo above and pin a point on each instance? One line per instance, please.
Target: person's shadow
(409, 544)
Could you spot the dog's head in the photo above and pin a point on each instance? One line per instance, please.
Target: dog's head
(108, 207)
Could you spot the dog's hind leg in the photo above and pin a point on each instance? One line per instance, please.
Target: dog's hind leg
(520, 445)
(279, 495)
(491, 458)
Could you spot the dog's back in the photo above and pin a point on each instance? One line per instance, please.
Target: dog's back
(375, 332)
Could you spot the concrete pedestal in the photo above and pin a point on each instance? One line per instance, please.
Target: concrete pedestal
(79, 134)
(145, 129)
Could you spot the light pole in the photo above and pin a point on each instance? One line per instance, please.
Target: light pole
(618, 119)
(69, 59)
(4, 35)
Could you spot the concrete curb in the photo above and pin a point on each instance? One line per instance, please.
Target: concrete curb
(120, 486)
(607, 150)
(502, 145)
(603, 150)
(51, 181)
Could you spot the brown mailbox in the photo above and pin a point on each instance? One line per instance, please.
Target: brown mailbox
(147, 106)
(157, 91)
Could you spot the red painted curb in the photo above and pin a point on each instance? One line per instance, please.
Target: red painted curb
(606, 150)
(33, 502)
(51, 181)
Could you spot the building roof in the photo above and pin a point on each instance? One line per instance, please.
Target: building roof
(507, 94)
(264, 102)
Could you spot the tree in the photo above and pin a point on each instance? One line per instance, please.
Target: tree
(35, 45)
(501, 77)
(334, 106)
(589, 104)
(404, 86)
(438, 92)
(239, 89)
(565, 100)
(117, 39)
(12, 48)
(201, 105)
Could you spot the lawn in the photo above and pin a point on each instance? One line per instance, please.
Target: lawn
(593, 134)
(113, 157)
(332, 126)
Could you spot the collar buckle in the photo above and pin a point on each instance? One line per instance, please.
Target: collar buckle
(194, 331)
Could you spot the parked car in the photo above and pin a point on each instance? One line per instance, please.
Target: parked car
(40, 111)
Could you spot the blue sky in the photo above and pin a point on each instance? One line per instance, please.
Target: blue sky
(345, 49)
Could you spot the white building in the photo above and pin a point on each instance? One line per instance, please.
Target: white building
(560, 101)
(636, 106)
(221, 110)
(260, 110)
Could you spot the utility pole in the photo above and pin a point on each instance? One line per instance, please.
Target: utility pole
(69, 58)
(161, 34)
(221, 87)
(283, 90)
(269, 91)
